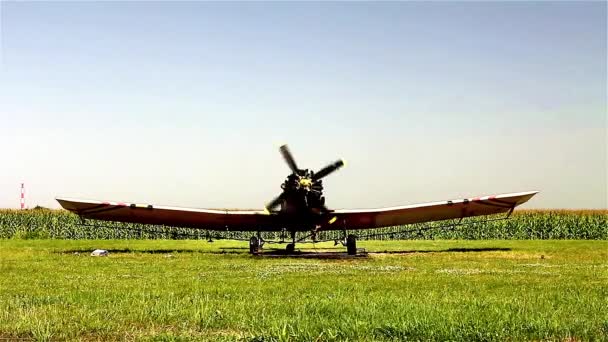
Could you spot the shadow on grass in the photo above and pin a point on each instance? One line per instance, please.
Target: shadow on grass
(340, 252)
(449, 250)
(322, 253)
(128, 250)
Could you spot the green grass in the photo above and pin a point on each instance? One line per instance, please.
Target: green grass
(429, 290)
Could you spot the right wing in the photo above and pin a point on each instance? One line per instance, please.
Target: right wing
(427, 212)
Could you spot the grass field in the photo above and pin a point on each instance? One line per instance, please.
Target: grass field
(419, 290)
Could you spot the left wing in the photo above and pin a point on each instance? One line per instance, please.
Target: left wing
(212, 219)
(420, 213)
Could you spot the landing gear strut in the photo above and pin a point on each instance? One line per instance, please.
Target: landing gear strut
(351, 245)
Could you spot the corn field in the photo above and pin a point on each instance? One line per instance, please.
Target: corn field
(523, 224)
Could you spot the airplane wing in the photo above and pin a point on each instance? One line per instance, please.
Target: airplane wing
(427, 212)
(213, 219)
(259, 220)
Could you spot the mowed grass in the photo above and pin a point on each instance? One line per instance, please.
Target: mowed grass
(420, 290)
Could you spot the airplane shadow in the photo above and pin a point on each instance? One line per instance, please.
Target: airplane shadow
(281, 253)
(128, 250)
(324, 253)
(340, 253)
(449, 250)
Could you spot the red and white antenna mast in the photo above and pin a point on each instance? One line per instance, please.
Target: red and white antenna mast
(22, 196)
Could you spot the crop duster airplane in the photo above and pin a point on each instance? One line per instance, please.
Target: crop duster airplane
(299, 208)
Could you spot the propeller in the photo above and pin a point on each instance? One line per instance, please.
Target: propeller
(303, 182)
(328, 169)
(274, 203)
(289, 159)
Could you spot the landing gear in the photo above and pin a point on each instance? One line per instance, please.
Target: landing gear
(351, 245)
(291, 247)
(255, 244)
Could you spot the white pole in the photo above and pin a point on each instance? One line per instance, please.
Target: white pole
(22, 196)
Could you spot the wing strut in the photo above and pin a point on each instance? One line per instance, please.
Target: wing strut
(510, 212)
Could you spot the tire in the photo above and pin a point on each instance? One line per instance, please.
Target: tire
(351, 245)
(290, 248)
(254, 245)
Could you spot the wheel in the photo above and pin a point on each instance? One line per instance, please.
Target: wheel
(254, 245)
(291, 247)
(351, 245)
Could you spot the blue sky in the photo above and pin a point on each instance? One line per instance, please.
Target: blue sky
(186, 103)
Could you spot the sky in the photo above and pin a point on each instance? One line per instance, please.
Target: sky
(186, 103)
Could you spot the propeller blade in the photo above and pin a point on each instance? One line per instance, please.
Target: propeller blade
(328, 169)
(289, 158)
(274, 203)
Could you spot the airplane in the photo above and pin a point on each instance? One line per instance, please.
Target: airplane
(300, 207)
